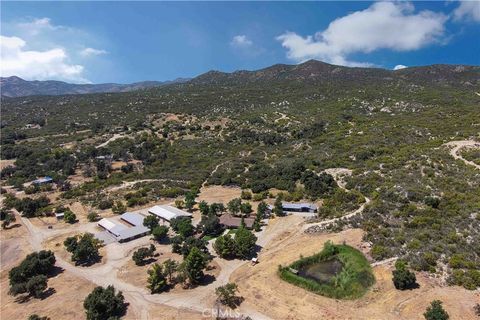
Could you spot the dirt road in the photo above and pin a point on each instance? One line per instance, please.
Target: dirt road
(141, 301)
(338, 174)
(457, 146)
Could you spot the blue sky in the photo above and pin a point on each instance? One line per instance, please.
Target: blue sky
(134, 41)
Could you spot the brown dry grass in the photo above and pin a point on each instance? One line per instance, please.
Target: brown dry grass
(137, 275)
(5, 163)
(220, 194)
(267, 293)
(55, 244)
(65, 303)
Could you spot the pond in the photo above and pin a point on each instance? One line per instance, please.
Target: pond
(321, 272)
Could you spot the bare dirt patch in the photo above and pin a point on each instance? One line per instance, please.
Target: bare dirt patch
(6, 163)
(220, 194)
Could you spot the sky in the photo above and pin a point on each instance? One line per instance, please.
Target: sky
(124, 42)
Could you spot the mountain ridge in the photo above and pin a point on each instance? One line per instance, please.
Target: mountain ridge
(317, 71)
(15, 86)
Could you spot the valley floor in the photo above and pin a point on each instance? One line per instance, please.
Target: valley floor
(266, 295)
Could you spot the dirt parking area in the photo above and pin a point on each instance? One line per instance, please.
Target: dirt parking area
(265, 292)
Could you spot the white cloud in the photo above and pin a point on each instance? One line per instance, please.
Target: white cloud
(241, 41)
(87, 52)
(32, 64)
(467, 10)
(399, 67)
(384, 25)
(36, 48)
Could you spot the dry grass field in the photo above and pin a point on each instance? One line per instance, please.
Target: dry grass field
(264, 291)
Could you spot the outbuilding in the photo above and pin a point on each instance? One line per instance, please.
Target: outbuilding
(43, 180)
(166, 213)
(232, 222)
(134, 219)
(114, 228)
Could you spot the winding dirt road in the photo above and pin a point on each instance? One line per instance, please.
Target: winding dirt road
(457, 146)
(338, 174)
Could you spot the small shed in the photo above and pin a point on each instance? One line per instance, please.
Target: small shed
(43, 180)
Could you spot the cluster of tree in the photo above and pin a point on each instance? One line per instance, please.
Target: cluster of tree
(27, 206)
(34, 188)
(214, 208)
(7, 217)
(311, 131)
(341, 202)
(237, 207)
(403, 278)
(283, 176)
(140, 256)
(227, 295)
(160, 233)
(170, 272)
(84, 248)
(136, 198)
(242, 246)
(119, 208)
(278, 207)
(93, 216)
(105, 204)
(31, 275)
(104, 303)
(161, 276)
(69, 216)
(103, 168)
(183, 245)
(248, 136)
(261, 214)
(150, 221)
(318, 185)
(182, 226)
(210, 225)
(34, 162)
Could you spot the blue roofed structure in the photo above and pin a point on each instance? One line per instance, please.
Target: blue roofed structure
(43, 180)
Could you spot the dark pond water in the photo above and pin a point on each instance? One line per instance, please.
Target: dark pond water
(322, 272)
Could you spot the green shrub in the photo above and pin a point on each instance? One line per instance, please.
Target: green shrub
(352, 282)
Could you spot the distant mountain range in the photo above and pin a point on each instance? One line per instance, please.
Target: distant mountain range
(317, 72)
(311, 72)
(18, 87)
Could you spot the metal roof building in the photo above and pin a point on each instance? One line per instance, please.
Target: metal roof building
(168, 213)
(296, 207)
(121, 232)
(132, 233)
(299, 207)
(112, 227)
(134, 219)
(43, 180)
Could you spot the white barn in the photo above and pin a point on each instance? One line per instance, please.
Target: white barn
(167, 213)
